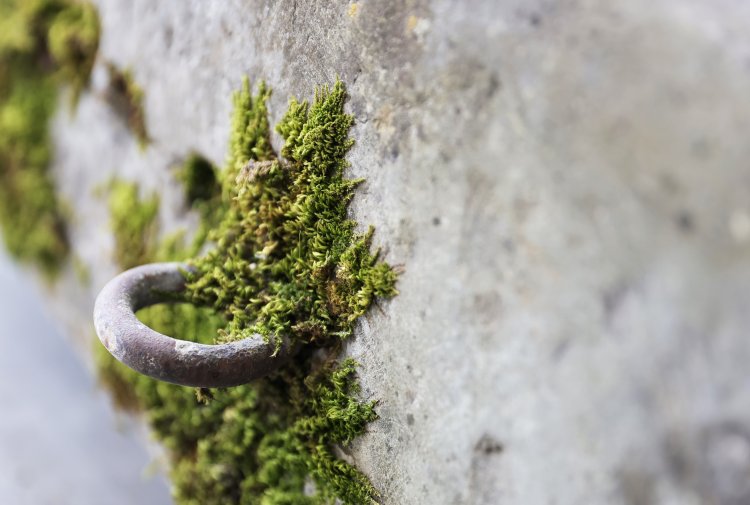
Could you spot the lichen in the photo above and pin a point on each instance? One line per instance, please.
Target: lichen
(126, 98)
(286, 260)
(43, 44)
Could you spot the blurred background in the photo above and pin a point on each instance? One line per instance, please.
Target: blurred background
(61, 441)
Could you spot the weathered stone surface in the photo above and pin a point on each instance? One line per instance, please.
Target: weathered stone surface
(566, 185)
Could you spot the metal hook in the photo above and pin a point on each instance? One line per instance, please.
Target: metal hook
(165, 358)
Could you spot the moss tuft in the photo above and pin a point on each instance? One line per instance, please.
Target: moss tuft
(134, 223)
(199, 177)
(203, 193)
(73, 40)
(43, 43)
(286, 261)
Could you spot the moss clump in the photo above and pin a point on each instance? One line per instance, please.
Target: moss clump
(43, 44)
(126, 98)
(73, 40)
(199, 176)
(134, 223)
(286, 261)
(134, 217)
(203, 193)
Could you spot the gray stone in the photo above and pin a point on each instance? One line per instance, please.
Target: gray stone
(567, 187)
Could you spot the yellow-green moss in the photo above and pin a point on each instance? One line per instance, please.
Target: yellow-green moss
(134, 223)
(286, 260)
(43, 44)
(81, 270)
(199, 178)
(73, 40)
(126, 98)
(203, 192)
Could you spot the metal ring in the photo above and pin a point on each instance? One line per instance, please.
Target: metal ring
(165, 358)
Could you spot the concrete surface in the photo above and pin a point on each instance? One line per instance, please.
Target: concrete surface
(567, 186)
(60, 441)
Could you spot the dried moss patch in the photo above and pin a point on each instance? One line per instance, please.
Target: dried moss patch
(126, 98)
(286, 260)
(44, 44)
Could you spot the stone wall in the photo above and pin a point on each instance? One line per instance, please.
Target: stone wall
(566, 185)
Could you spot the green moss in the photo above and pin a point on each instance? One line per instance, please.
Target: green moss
(203, 192)
(81, 270)
(126, 98)
(200, 180)
(43, 44)
(134, 217)
(73, 40)
(134, 223)
(286, 260)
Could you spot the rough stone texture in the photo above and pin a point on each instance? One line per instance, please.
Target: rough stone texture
(567, 186)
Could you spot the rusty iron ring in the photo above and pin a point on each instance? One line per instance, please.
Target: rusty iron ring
(165, 358)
